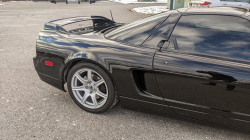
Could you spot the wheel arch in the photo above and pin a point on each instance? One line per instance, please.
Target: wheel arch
(70, 64)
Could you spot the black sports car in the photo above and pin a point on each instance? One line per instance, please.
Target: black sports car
(193, 63)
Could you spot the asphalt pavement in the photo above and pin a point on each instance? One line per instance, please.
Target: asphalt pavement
(32, 109)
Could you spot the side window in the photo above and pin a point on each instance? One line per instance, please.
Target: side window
(214, 34)
(137, 32)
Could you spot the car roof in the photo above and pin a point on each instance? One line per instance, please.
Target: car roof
(214, 10)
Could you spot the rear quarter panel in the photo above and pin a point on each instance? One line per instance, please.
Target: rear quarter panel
(117, 59)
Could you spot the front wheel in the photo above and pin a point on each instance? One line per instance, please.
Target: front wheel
(91, 88)
(66, 2)
(79, 2)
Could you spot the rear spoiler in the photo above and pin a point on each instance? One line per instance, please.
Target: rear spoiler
(99, 23)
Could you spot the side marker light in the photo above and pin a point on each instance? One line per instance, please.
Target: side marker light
(48, 63)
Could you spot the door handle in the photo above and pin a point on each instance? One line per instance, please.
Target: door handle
(166, 62)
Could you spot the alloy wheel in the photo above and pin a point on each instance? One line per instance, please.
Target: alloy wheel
(89, 88)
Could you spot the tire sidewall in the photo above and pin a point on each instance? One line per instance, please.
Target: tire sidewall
(111, 93)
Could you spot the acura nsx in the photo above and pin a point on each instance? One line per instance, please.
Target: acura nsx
(190, 62)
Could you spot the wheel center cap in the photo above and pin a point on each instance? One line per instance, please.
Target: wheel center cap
(91, 86)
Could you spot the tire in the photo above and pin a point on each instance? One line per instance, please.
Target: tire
(79, 2)
(66, 2)
(86, 94)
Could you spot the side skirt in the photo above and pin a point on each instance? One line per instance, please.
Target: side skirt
(147, 107)
(165, 111)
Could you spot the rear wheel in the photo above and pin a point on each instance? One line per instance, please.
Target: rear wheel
(79, 2)
(91, 88)
(66, 2)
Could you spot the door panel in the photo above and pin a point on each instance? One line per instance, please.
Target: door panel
(206, 68)
(203, 84)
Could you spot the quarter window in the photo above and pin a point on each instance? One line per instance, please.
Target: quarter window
(213, 34)
(137, 32)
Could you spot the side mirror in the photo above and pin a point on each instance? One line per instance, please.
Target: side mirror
(171, 43)
(163, 44)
